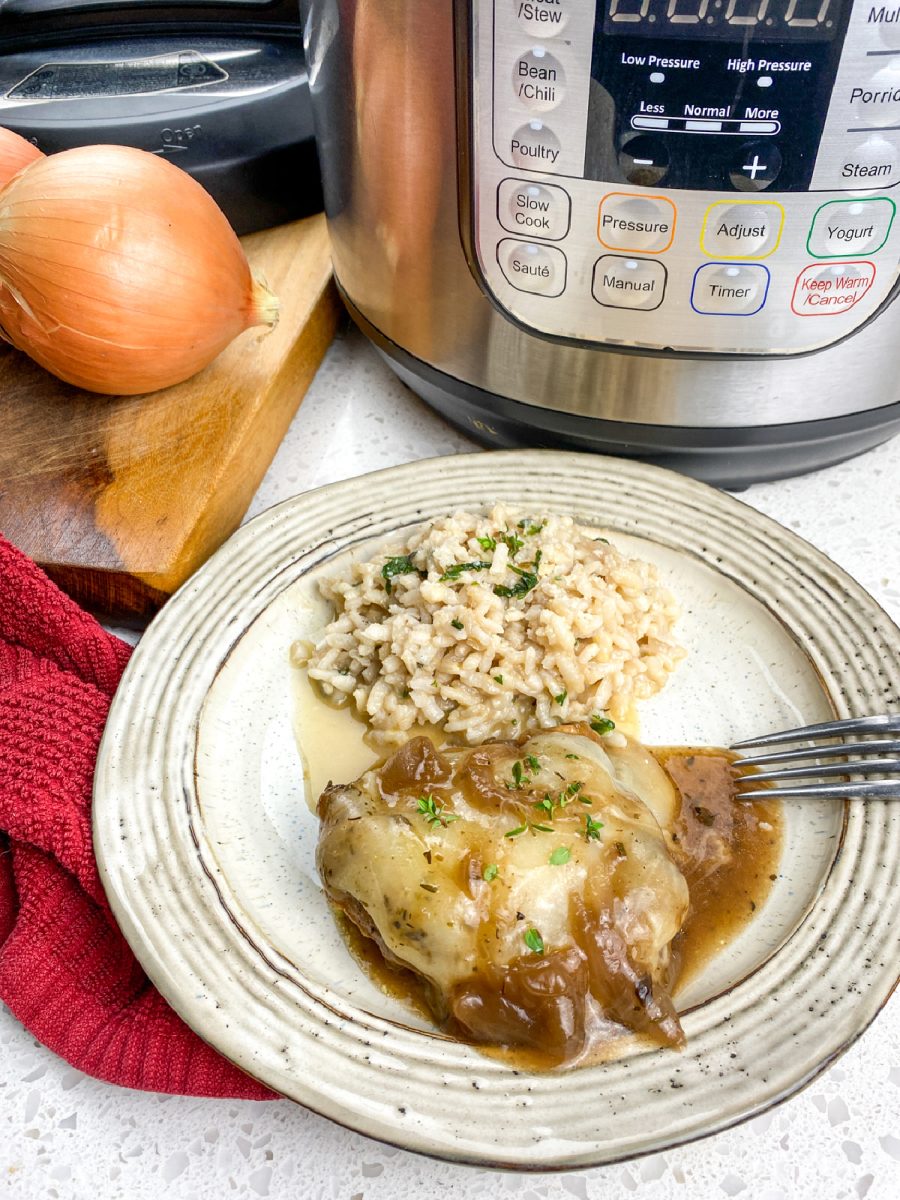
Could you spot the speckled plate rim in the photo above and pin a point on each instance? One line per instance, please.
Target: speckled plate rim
(747, 1049)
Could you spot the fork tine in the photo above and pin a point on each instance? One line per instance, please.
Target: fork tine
(829, 750)
(889, 723)
(872, 789)
(876, 766)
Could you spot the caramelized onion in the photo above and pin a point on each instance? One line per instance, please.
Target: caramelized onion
(119, 273)
(15, 153)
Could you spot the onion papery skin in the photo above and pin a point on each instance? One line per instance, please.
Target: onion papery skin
(118, 271)
(15, 154)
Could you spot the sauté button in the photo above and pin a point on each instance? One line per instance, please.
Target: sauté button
(538, 80)
(534, 146)
(544, 18)
(729, 289)
(851, 227)
(622, 282)
(644, 159)
(531, 267)
(641, 223)
(742, 229)
(755, 166)
(537, 209)
(825, 291)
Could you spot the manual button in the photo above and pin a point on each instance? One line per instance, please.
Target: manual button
(622, 282)
(847, 228)
(530, 267)
(742, 229)
(539, 210)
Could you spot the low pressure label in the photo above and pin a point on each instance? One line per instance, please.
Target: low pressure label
(119, 77)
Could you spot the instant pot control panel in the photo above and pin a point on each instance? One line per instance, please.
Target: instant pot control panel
(698, 175)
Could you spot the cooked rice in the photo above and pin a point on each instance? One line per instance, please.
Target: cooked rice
(592, 637)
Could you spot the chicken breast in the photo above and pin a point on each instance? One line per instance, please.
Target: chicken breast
(529, 885)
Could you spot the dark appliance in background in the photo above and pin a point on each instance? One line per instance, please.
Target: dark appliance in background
(219, 88)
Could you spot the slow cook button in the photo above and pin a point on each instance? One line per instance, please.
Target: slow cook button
(645, 224)
(539, 209)
(825, 291)
(530, 267)
(538, 80)
(842, 227)
(729, 290)
(742, 229)
(544, 18)
(535, 146)
(622, 282)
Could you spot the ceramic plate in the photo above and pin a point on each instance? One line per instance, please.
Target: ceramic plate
(206, 839)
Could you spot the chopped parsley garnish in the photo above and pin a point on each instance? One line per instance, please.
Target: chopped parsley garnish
(457, 569)
(515, 832)
(529, 528)
(434, 813)
(585, 800)
(542, 828)
(560, 700)
(498, 679)
(537, 560)
(546, 805)
(560, 856)
(574, 788)
(487, 544)
(518, 775)
(591, 828)
(513, 543)
(457, 624)
(575, 756)
(526, 582)
(398, 566)
(532, 764)
(491, 871)
(602, 724)
(534, 941)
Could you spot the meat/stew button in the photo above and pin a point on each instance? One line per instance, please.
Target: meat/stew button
(825, 291)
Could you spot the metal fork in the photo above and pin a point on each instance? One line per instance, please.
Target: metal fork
(866, 758)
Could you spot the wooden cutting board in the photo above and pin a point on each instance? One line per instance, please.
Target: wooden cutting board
(120, 499)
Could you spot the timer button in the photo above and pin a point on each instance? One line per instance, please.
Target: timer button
(636, 283)
(755, 166)
(742, 229)
(729, 289)
(543, 18)
(530, 267)
(534, 146)
(843, 228)
(644, 159)
(641, 223)
(539, 210)
(539, 80)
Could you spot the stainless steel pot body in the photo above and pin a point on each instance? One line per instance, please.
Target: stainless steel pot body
(388, 103)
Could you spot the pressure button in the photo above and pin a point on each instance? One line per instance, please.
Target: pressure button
(530, 267)
(540, 210)
(645, 224)
(742, 229)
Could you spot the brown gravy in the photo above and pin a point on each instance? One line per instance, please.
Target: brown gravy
(712, 825)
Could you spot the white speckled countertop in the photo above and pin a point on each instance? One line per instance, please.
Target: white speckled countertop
(64, 1136)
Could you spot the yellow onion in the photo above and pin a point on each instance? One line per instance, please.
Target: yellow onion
(15, 153)
(119, 273)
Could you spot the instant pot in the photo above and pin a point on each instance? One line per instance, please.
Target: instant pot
(219, 88)
(658, 228)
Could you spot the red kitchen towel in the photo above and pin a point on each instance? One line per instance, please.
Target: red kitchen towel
(66, 972)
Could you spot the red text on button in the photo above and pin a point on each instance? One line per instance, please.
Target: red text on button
(825, 291)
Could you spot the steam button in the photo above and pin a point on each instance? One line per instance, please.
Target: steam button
(872, 164)
(538, 80)
(535, 147)
(742, 229)
(530, 267)
(543, 18)
(539, 210)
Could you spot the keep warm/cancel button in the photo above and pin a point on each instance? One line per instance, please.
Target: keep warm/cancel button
(822, 291)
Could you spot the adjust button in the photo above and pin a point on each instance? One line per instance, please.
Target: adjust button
(642, 223)
(621, 282)
(539, 80)
(535, 146)
(536, 209)
(742, 229)
(851, 227)
(729, 290)
(530, 267)
(825, 291)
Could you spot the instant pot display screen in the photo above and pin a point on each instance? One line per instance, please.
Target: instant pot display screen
(712, 94)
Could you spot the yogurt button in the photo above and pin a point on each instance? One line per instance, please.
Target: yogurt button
(530, 267)
(729, 290)
(539, 210)
(851, 228)
(538, 80)
(543, 18)
(534, 146)
(748, 230)
(621, 282)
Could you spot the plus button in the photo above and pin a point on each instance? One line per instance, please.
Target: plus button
(753, 169)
